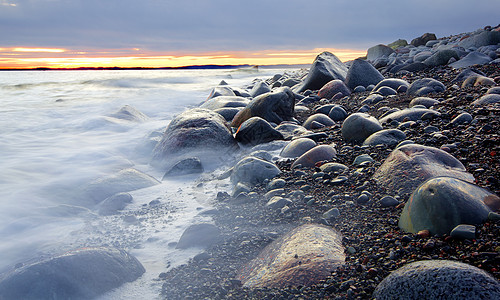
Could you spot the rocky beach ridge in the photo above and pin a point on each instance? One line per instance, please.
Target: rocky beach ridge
(375, 178)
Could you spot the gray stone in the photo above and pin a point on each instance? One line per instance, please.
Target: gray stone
(199, 235)
(409, 114)
(195, 132)
(421, 56)
(297, 147)
(424, 86)
(425, 101)
(442, 203)
(389, 137)
(393, 83)
(291, 130)
(190, 165)
(494, 90)
(79, 274)
(221, 90)
(302, 257)
(224, 102)
(315, 155)
(259, 88)
(337, 113)
(388, 201)
(362, 158)
(373, 99)
(464, 231)
(277, 202)
(333, 168)
(410, 165)
(378, 51)
(257, 131)
(326, 67)
(130, 113)
(473, 58)
(480, 39)
(438, 279)
(422, 40)
(324, 109)
(320, 118)
(331, 214)
(385, 91)
(252, 171)
(276, 106)
(228, 113)
(441, 58)
(487, 99)
(290, 82)
(358, 126)
(332, 88)
(463, 118)
(359, 89)
(277, 183)
(113, 204)
(362, 73)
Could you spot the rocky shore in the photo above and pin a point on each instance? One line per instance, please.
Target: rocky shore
(358, 182)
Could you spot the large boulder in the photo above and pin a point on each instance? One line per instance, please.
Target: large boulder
(276, 106)
(358, 126)
(302, 257)
(257, 131)
(195, 132)
(362, 73)
(409, 114)
(378, 51)
(317, 154)
(425, 86)
(326, 67)
(333, 88)
(79, 274)
(473, 58)
(480, 39)
(441, 58)
(438, 279)
(297, 147)
(442, 203)
(422, 40)
(410, 165)
(252, 171)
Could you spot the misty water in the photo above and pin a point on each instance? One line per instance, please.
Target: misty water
(57, 134)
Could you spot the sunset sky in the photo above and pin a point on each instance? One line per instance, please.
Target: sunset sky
(159, 33)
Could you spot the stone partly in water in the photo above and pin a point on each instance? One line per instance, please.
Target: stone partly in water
(256, 131)
(276, 106)
(362, 73)
(438, 279)
(251, 171)
(304, 256)
(129, 113)
(297, 147)
(442, 203)
(195, 132)
(113, 204)
(332, 88)
(410, 165)
(326, 67)
(424, 86)
(317, 154)
(224, 102)
(190, 165)
(199, 235)
(80, 274)
(358, 126)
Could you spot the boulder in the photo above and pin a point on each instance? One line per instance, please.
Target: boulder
(199, 235)
(326, 67)
(228, 113)
(410, 165)
(480, 39)
(190, 165)
(302, 257)
(126, 180)
(276, 106)
(422, 40)
(393, 83)
(317, 154)
(358, 126)
(195, 132)
(440, 58)
(487, 99)
(297, 147)
(425, 86)
(129, 113)
(398, 43)
(259, 88)
(332, 88)
(257, 131)
(113, 204)
(221, 90)
(252, 171)
(224, 102)
(362, 73)
(442, 203)
(389, 137)
(290, 130)
(438, 279)
(473, 58)
(409, 114)
(79, 274)
(319, 118)
(378, 51)
(425, 101)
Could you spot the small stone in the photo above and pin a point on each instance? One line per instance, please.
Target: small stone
(331, 214)
(464, 231)
(388, 201)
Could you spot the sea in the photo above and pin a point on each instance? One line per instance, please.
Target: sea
(57, 134)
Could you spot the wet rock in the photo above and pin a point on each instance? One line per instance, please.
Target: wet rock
(389, 137)
(225, 102)
(494, 90)
(410, 165)
(487, 99)
(276, 106)
(378, 51)
(257, 131)
(318, 118)
(393, 83)
(424, 86)
(297, 147)
(358, 126)
(425, 101)
(290, 130)
(190, 165)
(464, 231)
(388, 201)
(433, 279)
(113, 204)
(194, 132)
(337, 113)
(326, 67)
(227, 113)
(315, 155)
(362, 73)
(130, 113)
(251, 170)
(302, 257)
(79, 274)
(473, 58)
(409, 114)
(199, 235)
(332, 88)
(442, 203)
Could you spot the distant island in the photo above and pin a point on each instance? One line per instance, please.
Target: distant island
(192, 67)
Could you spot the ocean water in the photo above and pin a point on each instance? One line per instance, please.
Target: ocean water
(57, 134)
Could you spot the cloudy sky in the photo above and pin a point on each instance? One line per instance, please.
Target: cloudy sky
(55, 32)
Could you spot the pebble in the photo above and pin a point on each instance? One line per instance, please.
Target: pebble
(464, 231)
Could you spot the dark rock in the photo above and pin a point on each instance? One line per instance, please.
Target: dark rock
(290, 130)
(393, 83)
(388, 201)
(199, 235)
(483, 38)
(251, 170)
(190, 165)
(302, 257)
(333, 167)
(389, 137)
(362, 73)
(79, 274)
(464, 231)
(315, 155)
(361, 159)
(326, 67)
(227, 113)
(259, 88)
(473, 58)
(414, 67)
(337, 113)
(257, 131)
(422, 40)
(332, 88)
(221, 90)
(425, 86)
(441, 58)
(224, 102)
(378, 51)
(385, 91)
(319, 118)
(358, 126)
(297, 147)
(409, 114)
(487, 99)
(463, 118)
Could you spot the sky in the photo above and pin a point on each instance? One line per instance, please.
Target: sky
(158, 33)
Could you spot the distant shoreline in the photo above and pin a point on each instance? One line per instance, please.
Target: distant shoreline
(193, 67)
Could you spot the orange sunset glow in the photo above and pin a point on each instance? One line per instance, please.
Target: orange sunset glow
(28, 58)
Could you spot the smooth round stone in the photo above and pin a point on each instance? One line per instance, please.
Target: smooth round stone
(388, 201)
(332, 88)
(256, 131)
(277, 183)
(315, 155)
(274, 192)
(277, 202)
(190, 165)
(373, 99)
(442, 203)
(324, 109)
(425, 86)
(362, 199)
(199, 235)
(473, 58)
(378, 51)
(370, 88)
(362, 159)
(441, 57)
(319, 118)
(361, 73)
(464, 231)
(386, 91)
(393, 83)
(297, 147)
(331, 214)
(221, 90)
(431, 129)
(389, 137)
(333, 167)
(487, 99)
(113, 204)
(409, 114)
(359, 89)
(251, 170)
(227, 112)
(463, 118)
(225, 102)
(290, 130)
(358, 126)
(438, 279)
(130, 113)
(494, 90)
(337, 113)
(259, 88)
(425, 101)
